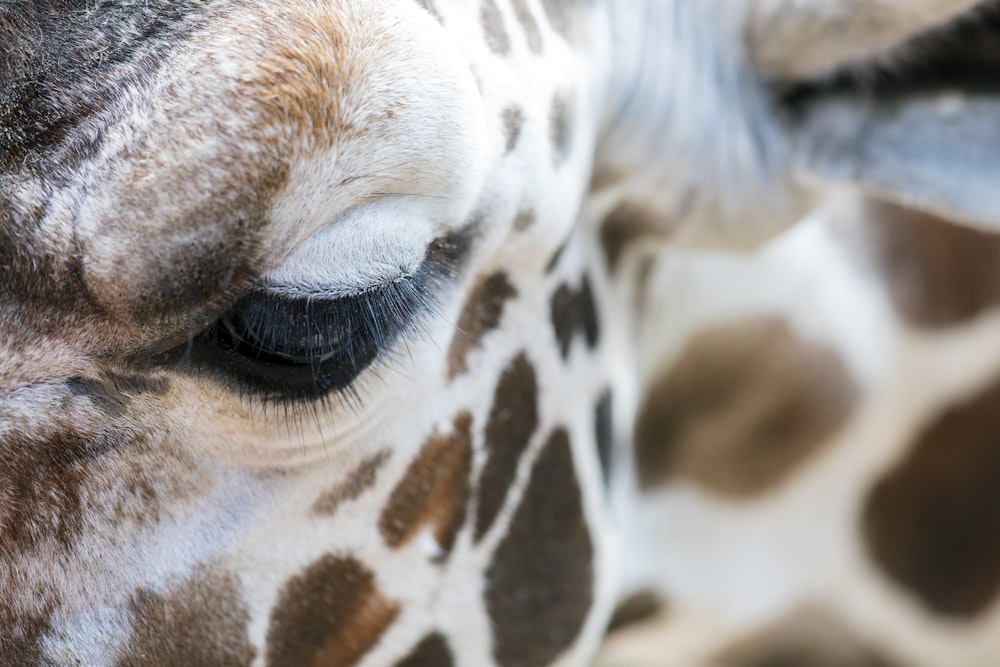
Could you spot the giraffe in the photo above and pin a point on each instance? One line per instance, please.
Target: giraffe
(336, 332)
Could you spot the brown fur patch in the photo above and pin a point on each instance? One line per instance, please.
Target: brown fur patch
(807, 639)
(626, 224)
(932, 522)
(540, 583)
(21, 638)
(524, 220)
(636, 608)
(561, 127)
(481, 314)
(493, 28)
(41, 481)
(433, 651)
(744, 405)
(433, 491)
(936, 273)
(513, 420)
(573, 311)
(513, 122)
(331, 614)
(531, 32)
(357, 482)
(202, 622)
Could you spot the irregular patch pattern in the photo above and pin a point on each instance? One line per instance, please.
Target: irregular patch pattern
(434, 490)
(625, 225)
(561, 128)
(513, 420)
(201, 623)
(357, 482)
(513, 121)
(573, 311)
(539, 585)
(931, 522)
(432, 651)
(481, 314)
(493, 28)
(744, 405)
(528, 25)
(331, 614)
(936, 273)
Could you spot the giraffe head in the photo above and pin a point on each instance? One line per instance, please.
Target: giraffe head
(314, 340)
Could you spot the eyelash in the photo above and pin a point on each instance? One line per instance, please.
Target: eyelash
(299, 349)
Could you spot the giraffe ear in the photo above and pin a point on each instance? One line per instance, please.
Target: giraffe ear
(937, 152)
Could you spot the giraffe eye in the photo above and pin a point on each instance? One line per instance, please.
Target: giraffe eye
(302, 348)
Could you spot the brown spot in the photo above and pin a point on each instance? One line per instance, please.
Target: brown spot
(573, 311)
(531, 33)
(21, 637)
(202, 622)
(331, 614)
(434, 491)
(553, 262)
(808, 638)
(524, 220)
(513, 121)
(41, 482)
(513, 420)
(932, 522)
(493, 28)
(433, 651)
(539, 586)
(936, 273)
(636, 608)
(744, 405)
(357, 482)
(481, 314)
(626, 224)
(605, 177)
(604, 432)
(560, 128)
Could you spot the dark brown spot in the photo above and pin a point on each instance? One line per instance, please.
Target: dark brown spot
(481, 314)
(201, 623)
(513, 420)
(807, 639)
(433, 651)
(531, 33)
(434, 491)
(524, 220)
(627, 224)
(493, 28)
(604, 432)
(932, 522)
(41, 482)
(636, 608)
(744, 405)
(561, 128)
(331, 614)
(513, 121)
(357, 482)
(539, 586)
(936, 273)
(573, 311)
